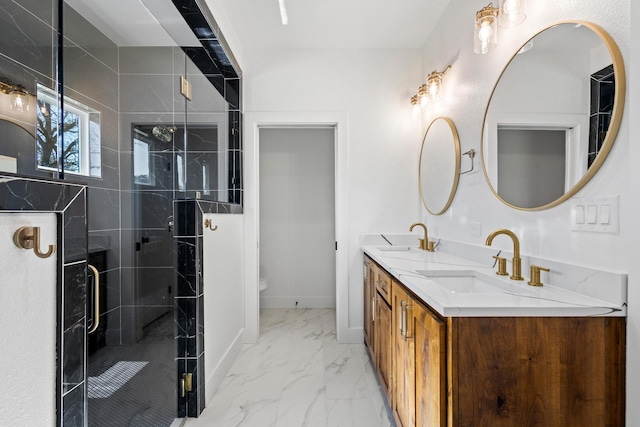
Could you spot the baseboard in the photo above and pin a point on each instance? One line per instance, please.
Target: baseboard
(213, 381)
(356, 335)
(302, 302)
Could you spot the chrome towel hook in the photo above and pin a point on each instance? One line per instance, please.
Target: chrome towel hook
(29, 238)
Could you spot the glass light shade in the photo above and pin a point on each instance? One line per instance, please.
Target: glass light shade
(19, 101)
(485, 34)
(433, 87)
(423, 95)
(512, 12)
(415, 111)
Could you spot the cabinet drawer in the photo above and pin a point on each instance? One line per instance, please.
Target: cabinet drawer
(383, 285)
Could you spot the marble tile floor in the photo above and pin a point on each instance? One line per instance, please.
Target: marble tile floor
(297, 375)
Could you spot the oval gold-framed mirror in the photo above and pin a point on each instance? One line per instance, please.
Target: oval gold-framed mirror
(439, 169)
(553, 115)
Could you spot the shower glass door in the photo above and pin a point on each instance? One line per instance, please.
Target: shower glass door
(132, 372)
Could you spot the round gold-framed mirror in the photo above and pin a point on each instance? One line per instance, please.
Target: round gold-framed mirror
(439, 169)
(553, 115)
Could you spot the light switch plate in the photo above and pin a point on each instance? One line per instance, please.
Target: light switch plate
(596, 214)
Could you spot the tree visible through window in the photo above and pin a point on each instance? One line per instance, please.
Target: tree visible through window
(47, 138)
(80, 137)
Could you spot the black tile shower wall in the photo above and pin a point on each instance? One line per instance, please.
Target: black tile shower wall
(602, 98)
(189, 309)
(69, 202)
(189, 299)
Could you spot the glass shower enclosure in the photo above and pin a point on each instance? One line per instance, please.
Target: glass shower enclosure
(91, 102)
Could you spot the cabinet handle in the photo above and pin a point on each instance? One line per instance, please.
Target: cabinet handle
(407, 335)
(96, 300)
(400, 316)
(373, 308)
(403, 319)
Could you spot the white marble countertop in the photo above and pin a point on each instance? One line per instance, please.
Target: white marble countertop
(506, 297)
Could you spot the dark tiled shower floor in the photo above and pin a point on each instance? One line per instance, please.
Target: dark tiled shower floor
(148, 399)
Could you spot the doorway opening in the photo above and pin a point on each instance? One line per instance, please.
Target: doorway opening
(297, 220)
(254, 124)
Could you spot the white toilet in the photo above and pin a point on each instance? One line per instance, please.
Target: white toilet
(263, 284)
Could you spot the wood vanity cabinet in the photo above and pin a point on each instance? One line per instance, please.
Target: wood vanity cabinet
(377, 321)
(500, 371)
(383, 332)
(369, 275)
(420, 362)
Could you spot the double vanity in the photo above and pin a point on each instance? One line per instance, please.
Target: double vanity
(471, 335)
(456, 344)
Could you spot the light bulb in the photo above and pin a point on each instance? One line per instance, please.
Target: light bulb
(423, 101)
(511, 8)
(485, 32)
(484, 35)
(19, 102)
(512, 13)
(434, 90)
(416, 110)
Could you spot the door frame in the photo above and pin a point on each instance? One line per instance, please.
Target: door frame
(253, 123)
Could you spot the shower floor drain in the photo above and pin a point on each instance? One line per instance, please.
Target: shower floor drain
(112, 379)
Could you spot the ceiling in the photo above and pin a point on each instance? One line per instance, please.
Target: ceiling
(312, 23)
(361, 24)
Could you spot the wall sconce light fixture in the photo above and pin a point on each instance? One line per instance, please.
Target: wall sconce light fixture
(19, 96)
(429, 91)
(485, 34)
(434, 83)
(485, 30)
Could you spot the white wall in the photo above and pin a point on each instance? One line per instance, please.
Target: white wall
(28, 321)
(372, 88)
(546, 233)
(632, 237)
(297, 217)
(223, 255)
(466, 91)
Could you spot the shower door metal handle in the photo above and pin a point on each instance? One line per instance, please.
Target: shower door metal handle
(96, 300)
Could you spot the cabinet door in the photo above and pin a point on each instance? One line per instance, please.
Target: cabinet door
(431, 372)
(369, 303)
(404, 354)
(384, 345)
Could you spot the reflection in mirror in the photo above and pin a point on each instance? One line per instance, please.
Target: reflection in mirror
(553, 115)
(28, 59)
(439, 165)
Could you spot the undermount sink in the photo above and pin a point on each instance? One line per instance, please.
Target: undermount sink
(463, 281)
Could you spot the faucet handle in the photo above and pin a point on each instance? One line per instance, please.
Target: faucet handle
(423, 244)
(431, 246)
(535, 275)
(502, 266)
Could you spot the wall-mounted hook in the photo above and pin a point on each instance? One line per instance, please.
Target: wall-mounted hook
(471, 153)
(207, 224)
(29, 238)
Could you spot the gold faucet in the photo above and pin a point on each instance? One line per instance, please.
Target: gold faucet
(425, 244)
(516, 262)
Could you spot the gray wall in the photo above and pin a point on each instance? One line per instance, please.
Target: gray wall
(531, 166)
